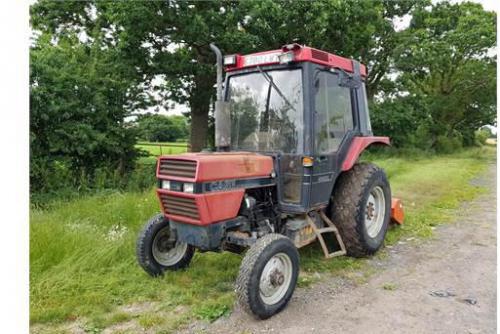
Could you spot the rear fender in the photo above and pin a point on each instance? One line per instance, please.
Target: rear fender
(358, 145)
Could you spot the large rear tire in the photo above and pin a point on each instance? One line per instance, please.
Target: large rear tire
(268, 276)
(361, 208)
(158, 250)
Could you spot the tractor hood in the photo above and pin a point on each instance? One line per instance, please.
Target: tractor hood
(205, 167)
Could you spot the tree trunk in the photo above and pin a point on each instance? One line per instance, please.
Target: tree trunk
(199, 127)
(199, 102)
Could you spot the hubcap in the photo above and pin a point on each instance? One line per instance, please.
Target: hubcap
(167, 251)
(275, 278)
(375, 212)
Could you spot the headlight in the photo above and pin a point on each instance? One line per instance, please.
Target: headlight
(165, 184)
(188, 188)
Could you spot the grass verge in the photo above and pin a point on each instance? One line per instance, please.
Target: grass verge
(83, 268)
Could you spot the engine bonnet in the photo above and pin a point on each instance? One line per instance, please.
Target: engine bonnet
(202, 167)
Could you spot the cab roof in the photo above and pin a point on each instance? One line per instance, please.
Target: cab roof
(300, 54)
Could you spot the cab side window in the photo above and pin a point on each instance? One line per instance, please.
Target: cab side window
(333, 117)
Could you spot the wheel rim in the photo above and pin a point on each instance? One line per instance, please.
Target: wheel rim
(275, 278)
(375, 212)
(165, 251)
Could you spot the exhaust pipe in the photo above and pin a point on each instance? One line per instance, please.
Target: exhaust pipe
(222, 115)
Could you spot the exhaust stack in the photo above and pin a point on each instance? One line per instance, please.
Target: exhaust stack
(222, 116)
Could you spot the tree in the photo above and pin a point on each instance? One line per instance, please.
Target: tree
(160, 128)
(79, 97)
(170, 38)
(446, 63)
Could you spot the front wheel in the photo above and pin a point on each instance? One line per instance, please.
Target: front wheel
(268, 276)
(158, 249)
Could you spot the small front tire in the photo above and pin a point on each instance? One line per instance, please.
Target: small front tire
(158, 250)
(268, 276)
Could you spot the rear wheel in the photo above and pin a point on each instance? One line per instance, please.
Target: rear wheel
(268, 276)
(361, 207)
(159, 250)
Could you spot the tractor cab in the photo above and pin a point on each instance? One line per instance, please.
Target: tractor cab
(304, 107)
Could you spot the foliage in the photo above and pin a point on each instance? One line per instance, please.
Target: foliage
(447, 71)
(482, 135)
(79, 97)
(400, 119)
(160, 128)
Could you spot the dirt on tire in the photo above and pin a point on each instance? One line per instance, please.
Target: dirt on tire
(446, 284)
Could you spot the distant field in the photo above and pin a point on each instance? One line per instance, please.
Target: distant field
(491, 141)
(83, 271)
(157, 149)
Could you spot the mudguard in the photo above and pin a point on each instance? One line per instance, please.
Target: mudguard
(357, 147)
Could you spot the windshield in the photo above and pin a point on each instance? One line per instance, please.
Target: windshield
(266, 112)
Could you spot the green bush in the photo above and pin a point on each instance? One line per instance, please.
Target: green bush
(62, 185)
(449, 144)
(482, 135)
(421, 138)
(161, 128)
(79, 98)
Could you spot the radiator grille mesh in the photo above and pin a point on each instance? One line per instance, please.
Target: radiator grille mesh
(178, 168)
(180, 206)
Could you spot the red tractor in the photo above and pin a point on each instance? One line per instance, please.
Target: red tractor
(290, 127)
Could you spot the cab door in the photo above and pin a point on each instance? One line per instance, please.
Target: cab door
(333, 130)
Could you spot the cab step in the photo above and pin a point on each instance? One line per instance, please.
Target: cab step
(330, 228)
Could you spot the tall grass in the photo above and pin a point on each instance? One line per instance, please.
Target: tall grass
(82, 252)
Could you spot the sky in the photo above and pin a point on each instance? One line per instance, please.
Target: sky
(491, 5)
(487, 4)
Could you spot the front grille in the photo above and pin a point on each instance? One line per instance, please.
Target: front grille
(320, 55)
(180, 206)
(178, 168)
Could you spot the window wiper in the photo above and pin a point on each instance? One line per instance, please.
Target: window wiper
(271, 82)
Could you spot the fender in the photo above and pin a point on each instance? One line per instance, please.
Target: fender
(358, 145)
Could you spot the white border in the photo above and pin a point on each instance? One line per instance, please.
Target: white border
(14, 199)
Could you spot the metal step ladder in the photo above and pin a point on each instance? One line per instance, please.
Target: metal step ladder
(330, 228)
